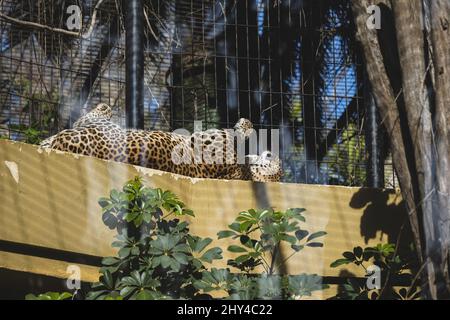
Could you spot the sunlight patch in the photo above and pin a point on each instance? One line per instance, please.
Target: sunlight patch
(13, 169)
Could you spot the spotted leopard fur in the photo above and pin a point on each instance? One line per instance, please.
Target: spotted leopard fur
(264, 168)
(208, 154)
(101, 111)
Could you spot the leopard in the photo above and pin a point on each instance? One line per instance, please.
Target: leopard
(101, 111)
(265, 168)
(205, 154)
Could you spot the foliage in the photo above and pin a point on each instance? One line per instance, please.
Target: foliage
(347, 158)
(260, 235)
(158, 258)
(50, 296)
(32, 135)
(41, 109)
(395, 269)
(273, 228)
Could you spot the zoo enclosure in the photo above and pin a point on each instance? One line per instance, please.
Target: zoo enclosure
(289, 65)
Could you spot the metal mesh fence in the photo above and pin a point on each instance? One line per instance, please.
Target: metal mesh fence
(288, 65)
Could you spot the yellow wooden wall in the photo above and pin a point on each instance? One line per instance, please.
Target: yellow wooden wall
(49, 199)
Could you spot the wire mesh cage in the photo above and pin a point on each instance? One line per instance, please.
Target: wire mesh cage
(288, 65)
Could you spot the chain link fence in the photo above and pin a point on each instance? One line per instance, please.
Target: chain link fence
(287, 65)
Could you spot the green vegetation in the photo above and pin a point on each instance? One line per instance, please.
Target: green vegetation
(41, 109)
(158, 257)
(394, 269)
(50, 296)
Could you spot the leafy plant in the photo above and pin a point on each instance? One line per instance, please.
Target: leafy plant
(158, 258)
(39, 115)
(394, 269)
(32, 135)
(260, 235)
(50, 296)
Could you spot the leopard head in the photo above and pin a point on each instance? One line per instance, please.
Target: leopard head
(265, 168)
(102, 110)
(244, 128)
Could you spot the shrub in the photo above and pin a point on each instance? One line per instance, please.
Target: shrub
(260, 235)
(158, 258)
(50, 296)
(395, 271)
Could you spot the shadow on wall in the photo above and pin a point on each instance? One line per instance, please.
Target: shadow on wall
(380, 215)
(345, 275)
(15, 285)
(263, 202)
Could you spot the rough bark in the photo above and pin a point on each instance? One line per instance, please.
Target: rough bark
(386, 102)
(424, 172)
(440, 35)
(410, 42)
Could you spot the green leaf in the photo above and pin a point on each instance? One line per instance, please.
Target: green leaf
(263, 214)
(297, 248)
(270, 287)
(124, 252)
(358, 251)
(368, 254)
(145, 295)
(135, 251)
(115, 195)
(108, 280)
(188, 212)
(301, 234)
(340, 262)
(226, 234)
(235, 227)
(130, 216)
(349, 255)
(183, 248)
(166, 261)
(296, 214)
(316, 235)
(181, 258)
(288, 238)
(387, 249)
(202, 244)
(245, 226)
(109, 220)
(113, 296)
(296, 211)
(212, 254)
(65, 295)
(304, 285)
(50, 296)
(109, 261)
(147, 216)
(315, 244)
(103, 202)
(236, 249)
(243, 258)
(244, 239)
(127, 291)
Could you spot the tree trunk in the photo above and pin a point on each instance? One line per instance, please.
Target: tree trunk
(423, 171)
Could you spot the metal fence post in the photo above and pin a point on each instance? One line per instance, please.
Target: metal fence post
(134, 57)
(374, 137)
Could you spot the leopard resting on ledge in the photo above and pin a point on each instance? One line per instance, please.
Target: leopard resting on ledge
(194, 156)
